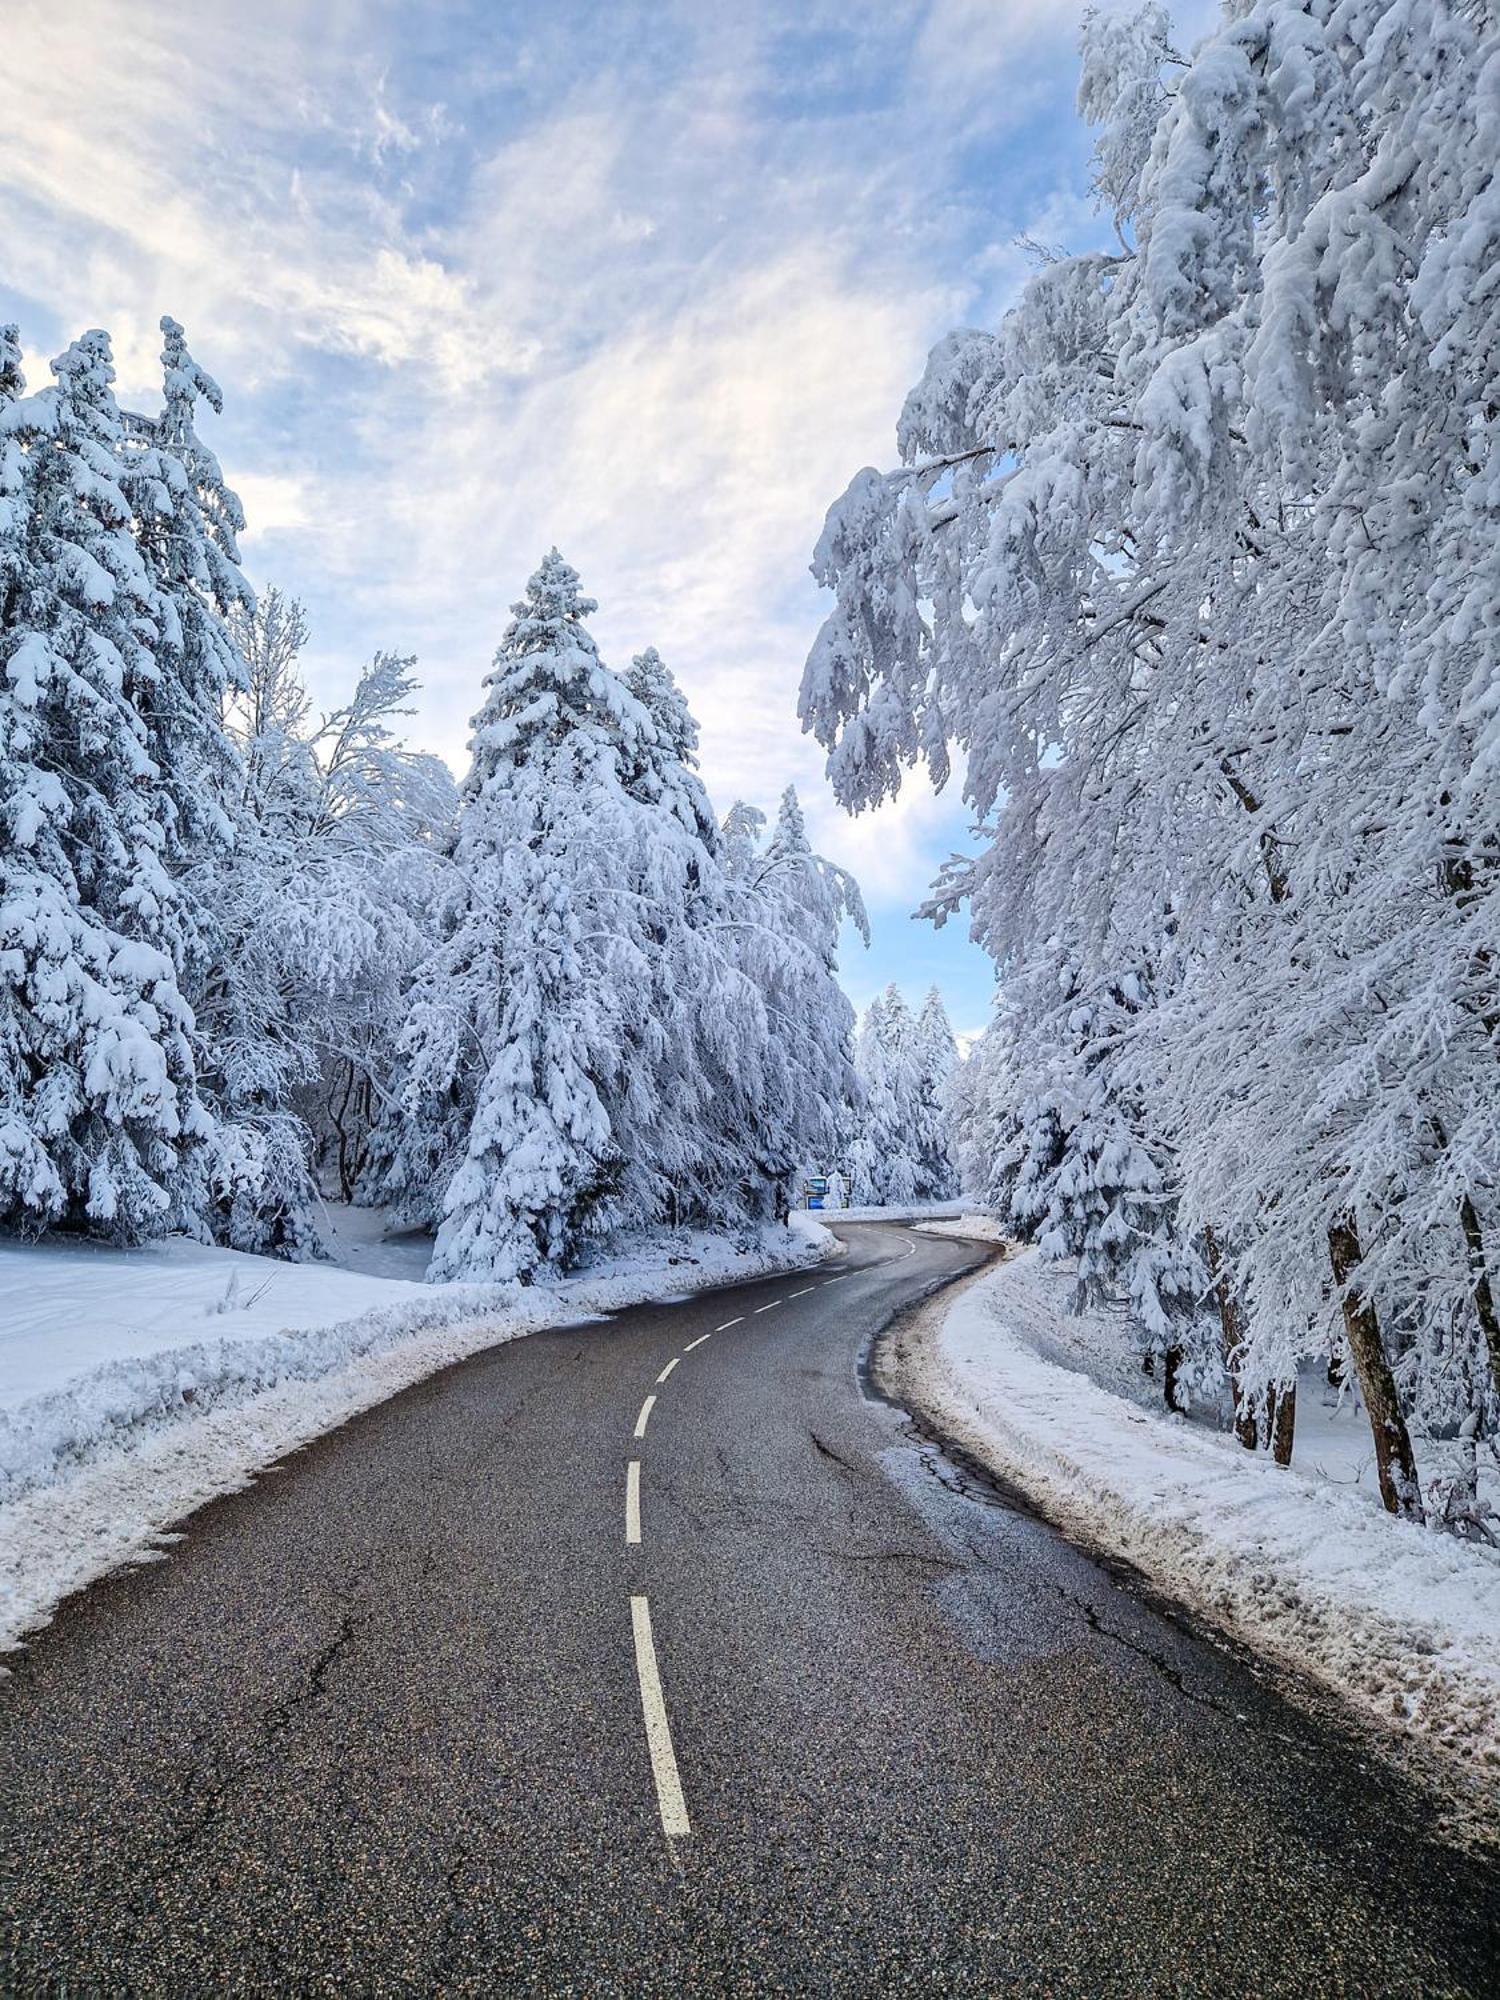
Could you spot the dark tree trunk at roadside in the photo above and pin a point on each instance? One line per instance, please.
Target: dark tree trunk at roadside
(1395, 1461)
(1283, 1421)
(1232, 1341)
(1171, 1364)
(1484, 1297)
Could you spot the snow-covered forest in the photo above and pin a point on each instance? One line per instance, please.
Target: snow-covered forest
(251, 950)
(899, 1148)
(1195, 562)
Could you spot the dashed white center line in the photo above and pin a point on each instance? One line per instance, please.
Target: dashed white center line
(839, 1279)
(642, 1420)
(668, 1369)
(774, 1302)
(699, 1341)
(726, 1326)
(669, 1800)
(806, 1292)
(633, 1501)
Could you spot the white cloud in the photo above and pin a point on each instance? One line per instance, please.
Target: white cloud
(275, 503)
(620, 297)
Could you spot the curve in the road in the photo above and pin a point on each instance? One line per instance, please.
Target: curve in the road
(410, 1717)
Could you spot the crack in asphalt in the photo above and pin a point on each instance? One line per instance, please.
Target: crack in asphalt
(279, 1717)
(274, 1722)
(837, 1457)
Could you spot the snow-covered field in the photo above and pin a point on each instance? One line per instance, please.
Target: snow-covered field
(1401, 1623)
(137, 1384)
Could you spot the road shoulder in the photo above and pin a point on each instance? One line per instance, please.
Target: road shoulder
(1399, 1625)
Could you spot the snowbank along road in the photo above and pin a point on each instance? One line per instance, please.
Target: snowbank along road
(656, 1654)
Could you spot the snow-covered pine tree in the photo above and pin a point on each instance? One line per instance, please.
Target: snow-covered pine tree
(798, 905)
(553, 744)
(100, 1121)
(540, 1164)
(667, 773)
(889, 1164)
(936, 1054)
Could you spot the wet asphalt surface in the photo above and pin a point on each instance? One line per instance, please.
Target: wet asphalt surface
(375, 1726)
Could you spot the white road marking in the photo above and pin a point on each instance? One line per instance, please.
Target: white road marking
(839, 1279)
(806, 1292)
(633, 1501)
(774, 1302)
(669, 1800)
(913, 1251)
(699, 1341)
(642, 1419)
(727, 1324)
(668, 1369)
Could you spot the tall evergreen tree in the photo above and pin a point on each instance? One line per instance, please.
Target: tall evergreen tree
(100, 1120)
(552, 746)
(936, 1059)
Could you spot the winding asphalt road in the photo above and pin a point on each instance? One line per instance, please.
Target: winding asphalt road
(414, 1715)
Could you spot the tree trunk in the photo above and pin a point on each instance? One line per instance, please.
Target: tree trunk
(337, 1118)
(1484, 1297)
(1171, 1363)
(1232, 1341)
(1394, 1460)
(1282, 1418)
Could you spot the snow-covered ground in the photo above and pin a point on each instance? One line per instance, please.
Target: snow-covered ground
(137, 1384)
(1301, 1563)
(968, 1228)
(920, 1211)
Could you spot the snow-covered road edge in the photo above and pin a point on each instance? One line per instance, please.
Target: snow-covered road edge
(118, 1501)
(1399, 1624)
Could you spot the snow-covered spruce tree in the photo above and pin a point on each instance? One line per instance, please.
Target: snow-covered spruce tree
(109, 764)
(1195, 558)
(886, 1157)
(898, 1146)
(864, 1143)
(188, 523)
(936, 1055)
(259, 1195)
(540, 1164)
(1096, 1179)
(786, 909)
(667, 773)
(984, 1109)
(547, 684)
(556, 746)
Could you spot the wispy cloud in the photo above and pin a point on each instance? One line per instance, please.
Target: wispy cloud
(649, 282)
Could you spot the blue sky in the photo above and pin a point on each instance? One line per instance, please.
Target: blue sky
(649, 282)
